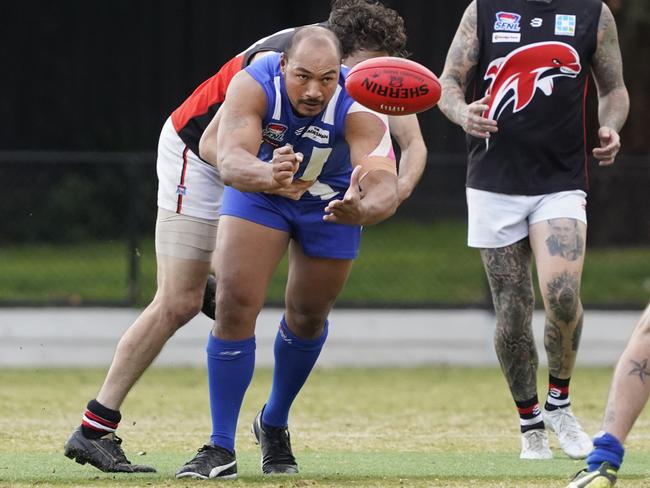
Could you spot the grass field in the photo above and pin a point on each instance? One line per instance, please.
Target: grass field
(403, 263)
(422, 427)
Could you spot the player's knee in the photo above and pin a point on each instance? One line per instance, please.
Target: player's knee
(564, 307)
(235, 307)
(307, 324)
(514, 310)
(177, 310)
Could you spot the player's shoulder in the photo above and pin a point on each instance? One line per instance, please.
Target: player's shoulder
(265, 68)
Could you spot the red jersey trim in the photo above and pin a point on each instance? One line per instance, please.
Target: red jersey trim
(584, 133)
(207, 94)
(181, 186)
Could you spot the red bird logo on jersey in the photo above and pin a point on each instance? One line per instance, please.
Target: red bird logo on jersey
(517, 76)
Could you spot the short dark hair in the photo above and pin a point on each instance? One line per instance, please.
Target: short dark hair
(368, 25)
(303, 32)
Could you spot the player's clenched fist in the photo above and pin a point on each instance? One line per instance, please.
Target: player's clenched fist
(284, 165)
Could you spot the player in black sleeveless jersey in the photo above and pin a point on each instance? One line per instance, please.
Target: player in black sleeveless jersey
(528, 64)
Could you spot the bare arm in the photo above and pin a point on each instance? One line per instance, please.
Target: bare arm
(613, 99)
(208, 144)
(208, 141)
(374, 176)
(238, 140)
(413, 158)
(461, 61)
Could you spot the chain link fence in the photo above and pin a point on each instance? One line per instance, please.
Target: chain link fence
(77, 229)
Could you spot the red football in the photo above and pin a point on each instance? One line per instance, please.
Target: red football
(393, 86)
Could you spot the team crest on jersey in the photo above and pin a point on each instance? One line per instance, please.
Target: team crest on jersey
(507, 21)
(518, 77)
(318, 134)
(273, 133)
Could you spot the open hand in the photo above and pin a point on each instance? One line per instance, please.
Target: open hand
(349, 209)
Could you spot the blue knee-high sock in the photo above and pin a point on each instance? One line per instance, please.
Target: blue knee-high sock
(230, 369)
(606, 448)
(294, 360)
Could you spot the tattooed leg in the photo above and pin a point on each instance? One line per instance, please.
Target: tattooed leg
(630, 387)
(559, 247)
(509, 275)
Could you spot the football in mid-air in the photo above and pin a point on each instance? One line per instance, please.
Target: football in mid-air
(393, 86)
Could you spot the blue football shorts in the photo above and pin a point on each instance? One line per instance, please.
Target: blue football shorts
(302, 219)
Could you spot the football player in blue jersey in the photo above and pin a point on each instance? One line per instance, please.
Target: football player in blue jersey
(189, 198)
(286, 120)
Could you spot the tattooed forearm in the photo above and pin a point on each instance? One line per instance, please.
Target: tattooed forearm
(565, 239)
(459, 65)
(508, 272)
(639, 369)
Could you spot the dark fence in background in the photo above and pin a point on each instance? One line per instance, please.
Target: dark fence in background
(77, 229)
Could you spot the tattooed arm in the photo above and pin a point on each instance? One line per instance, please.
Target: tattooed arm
(613, 100)
(237, 141)
(631, 383)
(462, 59)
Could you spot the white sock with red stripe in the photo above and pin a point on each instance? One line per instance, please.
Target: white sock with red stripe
(530, 415)
(558, 393)
(98, 420)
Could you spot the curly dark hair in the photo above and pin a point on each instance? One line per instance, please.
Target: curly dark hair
(368, 25)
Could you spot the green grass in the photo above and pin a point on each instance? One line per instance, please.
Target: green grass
(400, 263)
(420, 427)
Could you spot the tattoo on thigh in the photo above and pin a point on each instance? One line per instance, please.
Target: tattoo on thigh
(563, 296)
(565, 239)
(640, 369)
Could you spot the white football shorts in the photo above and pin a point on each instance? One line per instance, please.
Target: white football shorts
(186, 185)
(498, 220)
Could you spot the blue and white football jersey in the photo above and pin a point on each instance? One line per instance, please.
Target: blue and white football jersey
(321, 139)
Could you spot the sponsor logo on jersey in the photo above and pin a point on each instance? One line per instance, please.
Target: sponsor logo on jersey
(536, 22)
(516, 78)
(565, 25)
(507, 21)
(273, 133)
(394, 92)
(300, 130)
(318, 134)
(506, 37)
